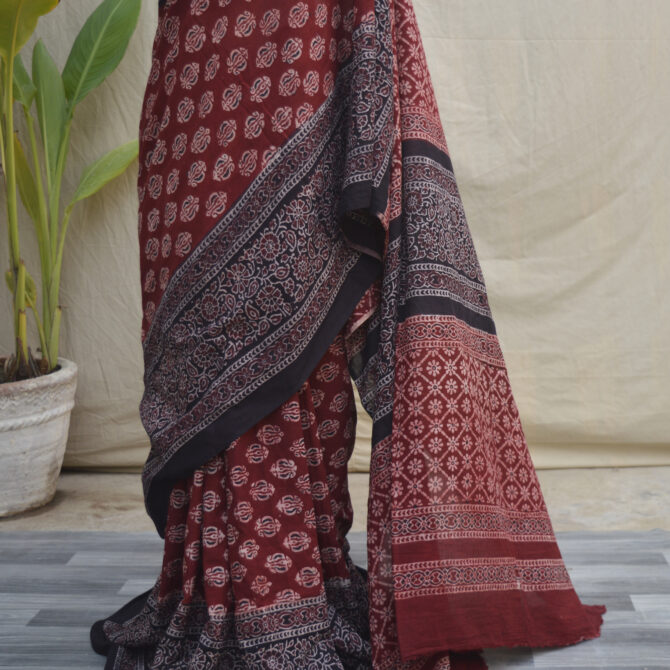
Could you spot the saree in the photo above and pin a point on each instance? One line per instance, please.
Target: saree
(260, 531)
(296, 194)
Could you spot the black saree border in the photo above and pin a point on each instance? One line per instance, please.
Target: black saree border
(477, 315)
(218, 435)
(360, 202)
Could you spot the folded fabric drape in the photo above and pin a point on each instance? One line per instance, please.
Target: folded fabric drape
(256, 568)
(295, 183)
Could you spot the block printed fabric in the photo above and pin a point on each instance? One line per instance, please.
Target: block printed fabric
(299, 218)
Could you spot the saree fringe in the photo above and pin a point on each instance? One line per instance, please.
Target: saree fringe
(295, 185)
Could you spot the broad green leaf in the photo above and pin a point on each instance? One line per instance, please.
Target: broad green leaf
(26, 182)
(50, 104)
(99, 47)
(18, 19)
(31, 289)
(24, 89)
(111, 165)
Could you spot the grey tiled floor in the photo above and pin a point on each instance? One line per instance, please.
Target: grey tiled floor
(53, 585)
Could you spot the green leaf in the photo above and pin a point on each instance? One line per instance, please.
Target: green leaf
(99, 47)
(102, 171)
(24, 89)
(31, 289)
(50, 104)
(18, 20)
(26, 182)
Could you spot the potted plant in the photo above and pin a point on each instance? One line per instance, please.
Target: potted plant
(37, 393)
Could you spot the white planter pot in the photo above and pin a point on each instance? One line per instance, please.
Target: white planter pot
(34, 424)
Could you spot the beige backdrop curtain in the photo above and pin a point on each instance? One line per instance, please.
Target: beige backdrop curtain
(556, 116)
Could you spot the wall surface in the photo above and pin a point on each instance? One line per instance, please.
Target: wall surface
(556, 118)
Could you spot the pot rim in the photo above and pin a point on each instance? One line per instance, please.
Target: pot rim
(67, 371)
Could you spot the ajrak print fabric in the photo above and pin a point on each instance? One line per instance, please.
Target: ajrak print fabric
(295, 183)
(256, 570)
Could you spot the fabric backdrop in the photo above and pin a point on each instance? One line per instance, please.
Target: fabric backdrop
(555, 115)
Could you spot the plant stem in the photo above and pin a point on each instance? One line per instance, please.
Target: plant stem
(44, 244)
(20, 302)
(55, 331)
(42, 336)
(54, 275)
(58, 261)
(54, 195)
(9, 167)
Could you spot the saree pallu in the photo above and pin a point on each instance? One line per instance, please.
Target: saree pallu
(295, 184)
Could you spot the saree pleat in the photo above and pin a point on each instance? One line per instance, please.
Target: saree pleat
(256, 568)
(296, 190)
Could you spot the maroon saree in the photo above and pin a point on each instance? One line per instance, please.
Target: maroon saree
(297, 202)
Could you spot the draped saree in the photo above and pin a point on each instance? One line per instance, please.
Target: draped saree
(298, 212)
